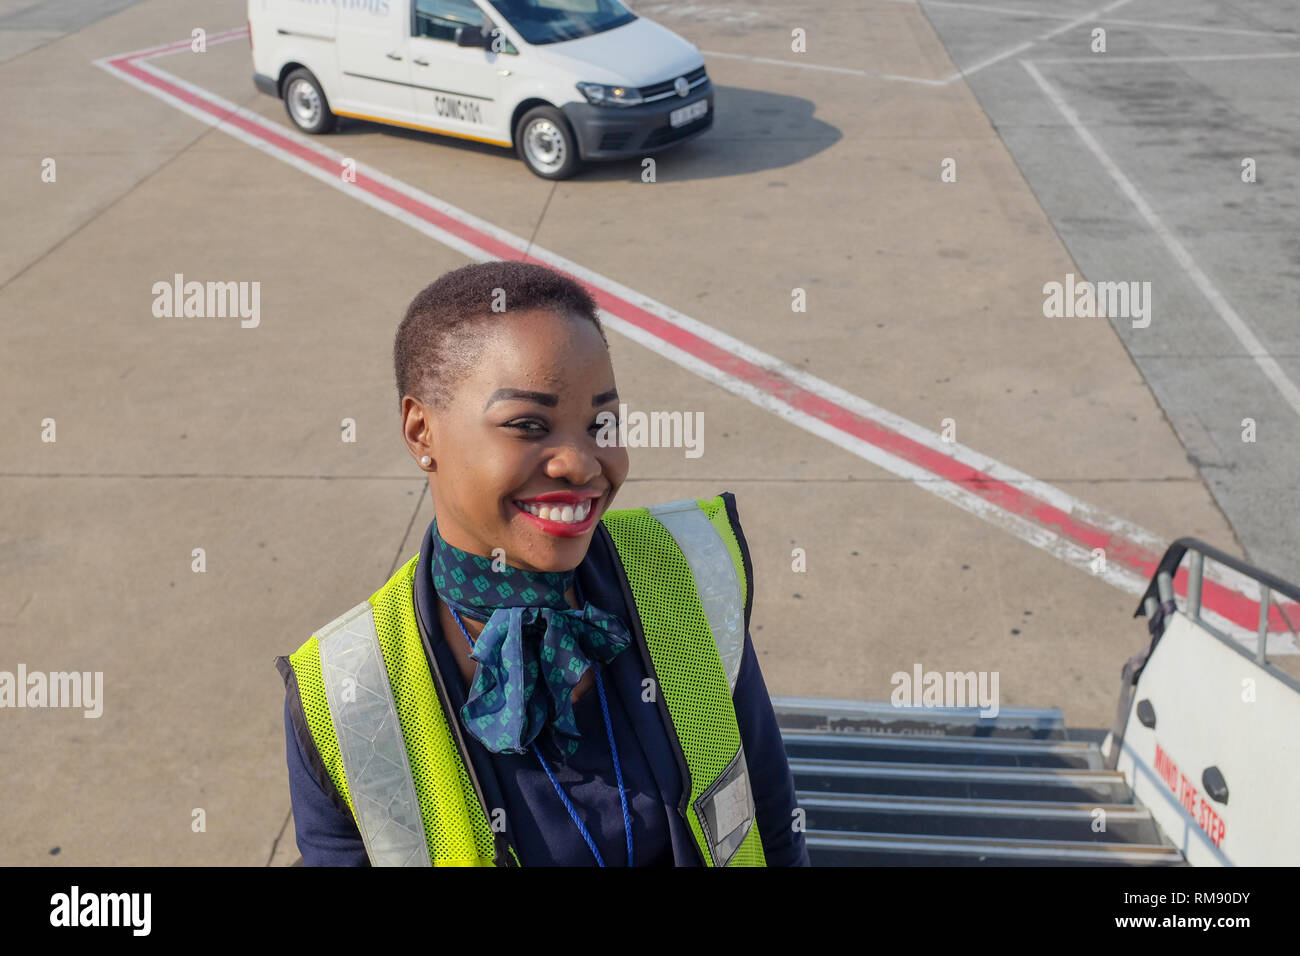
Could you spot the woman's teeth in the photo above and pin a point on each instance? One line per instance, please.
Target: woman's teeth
(564, 514)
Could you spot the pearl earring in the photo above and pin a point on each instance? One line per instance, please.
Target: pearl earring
(425, 461)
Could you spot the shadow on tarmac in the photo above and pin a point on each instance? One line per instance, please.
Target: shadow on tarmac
(753, 131)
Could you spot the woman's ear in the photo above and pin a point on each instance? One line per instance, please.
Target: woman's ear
(417, 430)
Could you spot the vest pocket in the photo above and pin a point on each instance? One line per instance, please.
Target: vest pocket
(726, 810)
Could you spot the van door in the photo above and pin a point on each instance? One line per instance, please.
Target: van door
(457, 89)
(372, 39)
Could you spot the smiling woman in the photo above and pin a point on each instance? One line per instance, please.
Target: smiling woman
(449, 719)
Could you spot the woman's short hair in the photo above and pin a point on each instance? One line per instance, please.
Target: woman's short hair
(436, 342)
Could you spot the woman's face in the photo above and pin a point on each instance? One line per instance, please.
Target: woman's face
(518, 437)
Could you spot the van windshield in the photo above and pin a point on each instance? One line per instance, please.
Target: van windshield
(552, 21)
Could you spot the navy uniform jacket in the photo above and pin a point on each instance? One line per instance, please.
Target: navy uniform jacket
(537, 824)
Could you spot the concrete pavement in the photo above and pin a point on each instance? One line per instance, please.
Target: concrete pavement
(924, 297)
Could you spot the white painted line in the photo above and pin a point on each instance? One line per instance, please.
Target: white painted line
(1226, 31)
(1191, 58)
(794, 63)
(1286, 388)
(1073, 21)
(984, 8)
(1109, 21)
(829, 69)
(1077, 21)
(963, 73)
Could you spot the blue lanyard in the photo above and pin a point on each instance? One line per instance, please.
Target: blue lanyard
(613, 749)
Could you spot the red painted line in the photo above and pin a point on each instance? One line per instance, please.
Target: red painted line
(1233, 605)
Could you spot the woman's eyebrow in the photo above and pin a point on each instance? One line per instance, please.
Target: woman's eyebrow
(543, 398)
(505, 394)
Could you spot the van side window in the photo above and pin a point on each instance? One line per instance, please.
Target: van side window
(438, 19)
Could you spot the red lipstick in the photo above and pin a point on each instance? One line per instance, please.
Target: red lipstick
(574, 499)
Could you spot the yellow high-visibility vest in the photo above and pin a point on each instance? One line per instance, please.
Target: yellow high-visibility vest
(381, 727)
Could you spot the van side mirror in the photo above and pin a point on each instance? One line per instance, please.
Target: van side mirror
(471, 36)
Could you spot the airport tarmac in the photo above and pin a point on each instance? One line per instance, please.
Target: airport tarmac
(945, 457)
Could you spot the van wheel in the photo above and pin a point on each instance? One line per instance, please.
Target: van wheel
(545, 143)
(306, 104)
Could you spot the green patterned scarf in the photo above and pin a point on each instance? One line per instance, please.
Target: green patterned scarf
(532, 651)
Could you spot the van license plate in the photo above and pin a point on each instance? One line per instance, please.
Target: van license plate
(688, 113)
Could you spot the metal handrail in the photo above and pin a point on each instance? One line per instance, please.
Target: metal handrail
(1158, 602)
(1161, 590)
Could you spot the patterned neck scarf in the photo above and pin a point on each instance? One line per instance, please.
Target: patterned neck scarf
(532, 651)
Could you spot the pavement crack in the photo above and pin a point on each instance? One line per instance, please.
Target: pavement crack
(275, 844)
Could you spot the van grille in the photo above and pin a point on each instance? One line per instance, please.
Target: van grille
(659, 91)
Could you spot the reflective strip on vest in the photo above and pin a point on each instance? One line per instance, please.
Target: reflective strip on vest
(715, 577)
(697, 686)
(371, 744)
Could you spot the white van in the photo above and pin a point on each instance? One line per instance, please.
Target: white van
(559, 81)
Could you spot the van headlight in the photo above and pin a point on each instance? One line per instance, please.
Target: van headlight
(598, 94)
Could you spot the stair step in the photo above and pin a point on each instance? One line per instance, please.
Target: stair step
(814, 713)
(975, 751)
(960, 780)
(1001, 819)
(891, 849)
(881, 785)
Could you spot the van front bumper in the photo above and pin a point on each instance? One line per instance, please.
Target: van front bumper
(616, 132)
(266, 84)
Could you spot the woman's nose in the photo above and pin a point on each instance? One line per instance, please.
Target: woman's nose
(575, 464)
